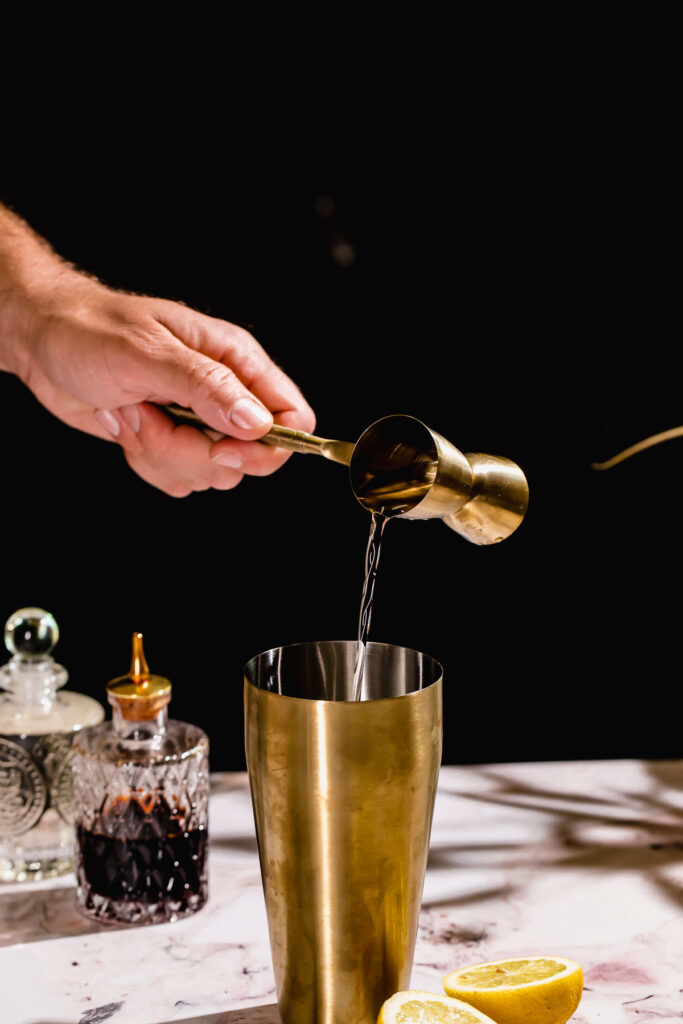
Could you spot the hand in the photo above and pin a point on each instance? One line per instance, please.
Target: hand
(102, 361)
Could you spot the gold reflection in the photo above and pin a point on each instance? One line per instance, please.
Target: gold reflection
(640, 446)
(343, 794)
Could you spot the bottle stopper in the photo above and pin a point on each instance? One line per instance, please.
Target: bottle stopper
(140, 695)
(31, 633)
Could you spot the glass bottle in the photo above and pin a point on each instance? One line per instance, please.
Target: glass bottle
(37, 727)
(141, 787)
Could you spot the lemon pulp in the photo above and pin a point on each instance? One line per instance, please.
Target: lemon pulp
(526, 990)
(510, 972)
(416, 1012)
(414, 1007)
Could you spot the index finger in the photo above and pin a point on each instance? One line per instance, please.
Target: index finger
(241, 352)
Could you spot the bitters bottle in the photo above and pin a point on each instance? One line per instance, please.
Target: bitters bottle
(141, 788)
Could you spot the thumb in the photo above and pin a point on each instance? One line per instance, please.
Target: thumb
(214, 391)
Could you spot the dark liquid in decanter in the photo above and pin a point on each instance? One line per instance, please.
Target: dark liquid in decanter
(163, 864)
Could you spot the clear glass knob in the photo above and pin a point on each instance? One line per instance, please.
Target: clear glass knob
(31, 633)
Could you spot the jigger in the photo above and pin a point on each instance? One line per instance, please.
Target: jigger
(400, 467)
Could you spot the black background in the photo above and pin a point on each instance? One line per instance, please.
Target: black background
(512, 284)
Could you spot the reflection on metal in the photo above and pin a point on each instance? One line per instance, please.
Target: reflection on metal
(647, 442)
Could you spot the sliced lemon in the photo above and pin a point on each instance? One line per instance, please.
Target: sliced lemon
(527, 990)
(429, 1008)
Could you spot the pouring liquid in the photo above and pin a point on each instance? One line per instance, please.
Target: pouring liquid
(377, 524)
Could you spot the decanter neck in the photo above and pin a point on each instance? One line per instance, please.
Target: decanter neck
(141, 730)
(33, 681)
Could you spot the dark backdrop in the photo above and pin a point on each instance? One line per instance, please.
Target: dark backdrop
(508, 283)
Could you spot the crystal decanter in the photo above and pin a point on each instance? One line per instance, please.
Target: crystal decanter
(141, 790)
(37, 727)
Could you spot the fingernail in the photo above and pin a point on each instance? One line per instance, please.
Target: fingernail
(107, 420)
(230, 459)
(131, 415)
(248, 414)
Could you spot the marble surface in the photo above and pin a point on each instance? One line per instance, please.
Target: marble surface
(581, 859)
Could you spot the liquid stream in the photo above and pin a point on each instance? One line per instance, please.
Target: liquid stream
(372, 554)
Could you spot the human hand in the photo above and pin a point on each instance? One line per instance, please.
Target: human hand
(103, 361)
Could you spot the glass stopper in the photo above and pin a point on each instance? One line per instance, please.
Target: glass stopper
(31, 632)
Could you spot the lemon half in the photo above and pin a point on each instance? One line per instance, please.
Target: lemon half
(526, 990)
(429, 1008)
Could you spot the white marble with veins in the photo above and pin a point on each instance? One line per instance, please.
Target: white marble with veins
(580, 859)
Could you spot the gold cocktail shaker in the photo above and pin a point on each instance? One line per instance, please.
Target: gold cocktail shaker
(343, 794)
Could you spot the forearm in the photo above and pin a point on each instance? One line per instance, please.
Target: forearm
(29, 274)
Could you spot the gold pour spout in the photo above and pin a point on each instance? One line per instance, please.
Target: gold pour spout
(140, 695)
(139, 669)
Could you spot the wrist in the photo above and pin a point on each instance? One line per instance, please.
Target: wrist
(30, 278)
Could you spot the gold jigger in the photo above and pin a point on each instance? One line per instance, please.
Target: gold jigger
(402, 468)
(343, 794)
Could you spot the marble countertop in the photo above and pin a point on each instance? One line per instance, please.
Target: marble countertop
(580, 859)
